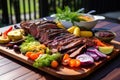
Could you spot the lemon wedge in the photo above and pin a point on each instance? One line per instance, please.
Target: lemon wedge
(86, 34)
(60, 25)
(106, 49)
(71, 29)
(76, 31)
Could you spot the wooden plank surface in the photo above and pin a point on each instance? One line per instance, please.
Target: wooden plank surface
(11, 69)
(8, 68)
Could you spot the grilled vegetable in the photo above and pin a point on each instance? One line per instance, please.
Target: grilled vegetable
(76, 31)
(94, 50)
(4, 36)
(60, 25)
(93, 55)
(86, 33)
(85, 60)
(7, 31)
(16, 34)
(99, 43)
(4, 40)
(71, 29)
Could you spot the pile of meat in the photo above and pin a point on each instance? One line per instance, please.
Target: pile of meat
(55, 38)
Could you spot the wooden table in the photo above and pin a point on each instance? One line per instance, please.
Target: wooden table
(11, 69)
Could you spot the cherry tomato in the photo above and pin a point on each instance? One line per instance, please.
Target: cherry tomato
(72, 63)
(66, 61)
(54, 64)
(66, 56)
(77, 63)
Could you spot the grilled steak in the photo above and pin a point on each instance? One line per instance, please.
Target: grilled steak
(55, 38)
(78, 51)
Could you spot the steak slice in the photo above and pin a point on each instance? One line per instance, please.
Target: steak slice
(47, 26)
(71, 45)
(33, 30)
(78, 51)
(69, 51)
(25, 25)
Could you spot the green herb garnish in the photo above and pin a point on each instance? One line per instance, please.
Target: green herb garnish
(67, 15)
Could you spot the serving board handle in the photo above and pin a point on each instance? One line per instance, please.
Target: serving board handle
(115, 42)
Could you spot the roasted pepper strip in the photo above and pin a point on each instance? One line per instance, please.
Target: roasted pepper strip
(99, 43)
(6, 32)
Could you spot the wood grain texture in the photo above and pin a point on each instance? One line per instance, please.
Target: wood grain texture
(12, 74)
(4, 61)
(9, 67)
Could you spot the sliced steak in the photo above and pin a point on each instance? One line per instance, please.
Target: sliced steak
(33, 30)
(78, 51)
(25, 25)
(69, 51)
(68, 40)
(55, 38)
(47, 26)
(71, 45)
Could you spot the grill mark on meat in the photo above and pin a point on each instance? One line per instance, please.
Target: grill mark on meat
(33, 30)
(51, 31)
(47, 26)
(56, 30)
(54, 34)
(71, 45)
(69, 51)
(67, 41)
(57, 43)
(25, 25)
(57, 38)
(78, 51)
(44, 37)
(40, 22)
(64, 39)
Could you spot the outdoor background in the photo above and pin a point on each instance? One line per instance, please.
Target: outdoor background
(14, 11)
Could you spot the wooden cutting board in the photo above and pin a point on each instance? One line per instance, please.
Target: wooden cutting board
(62, 71)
